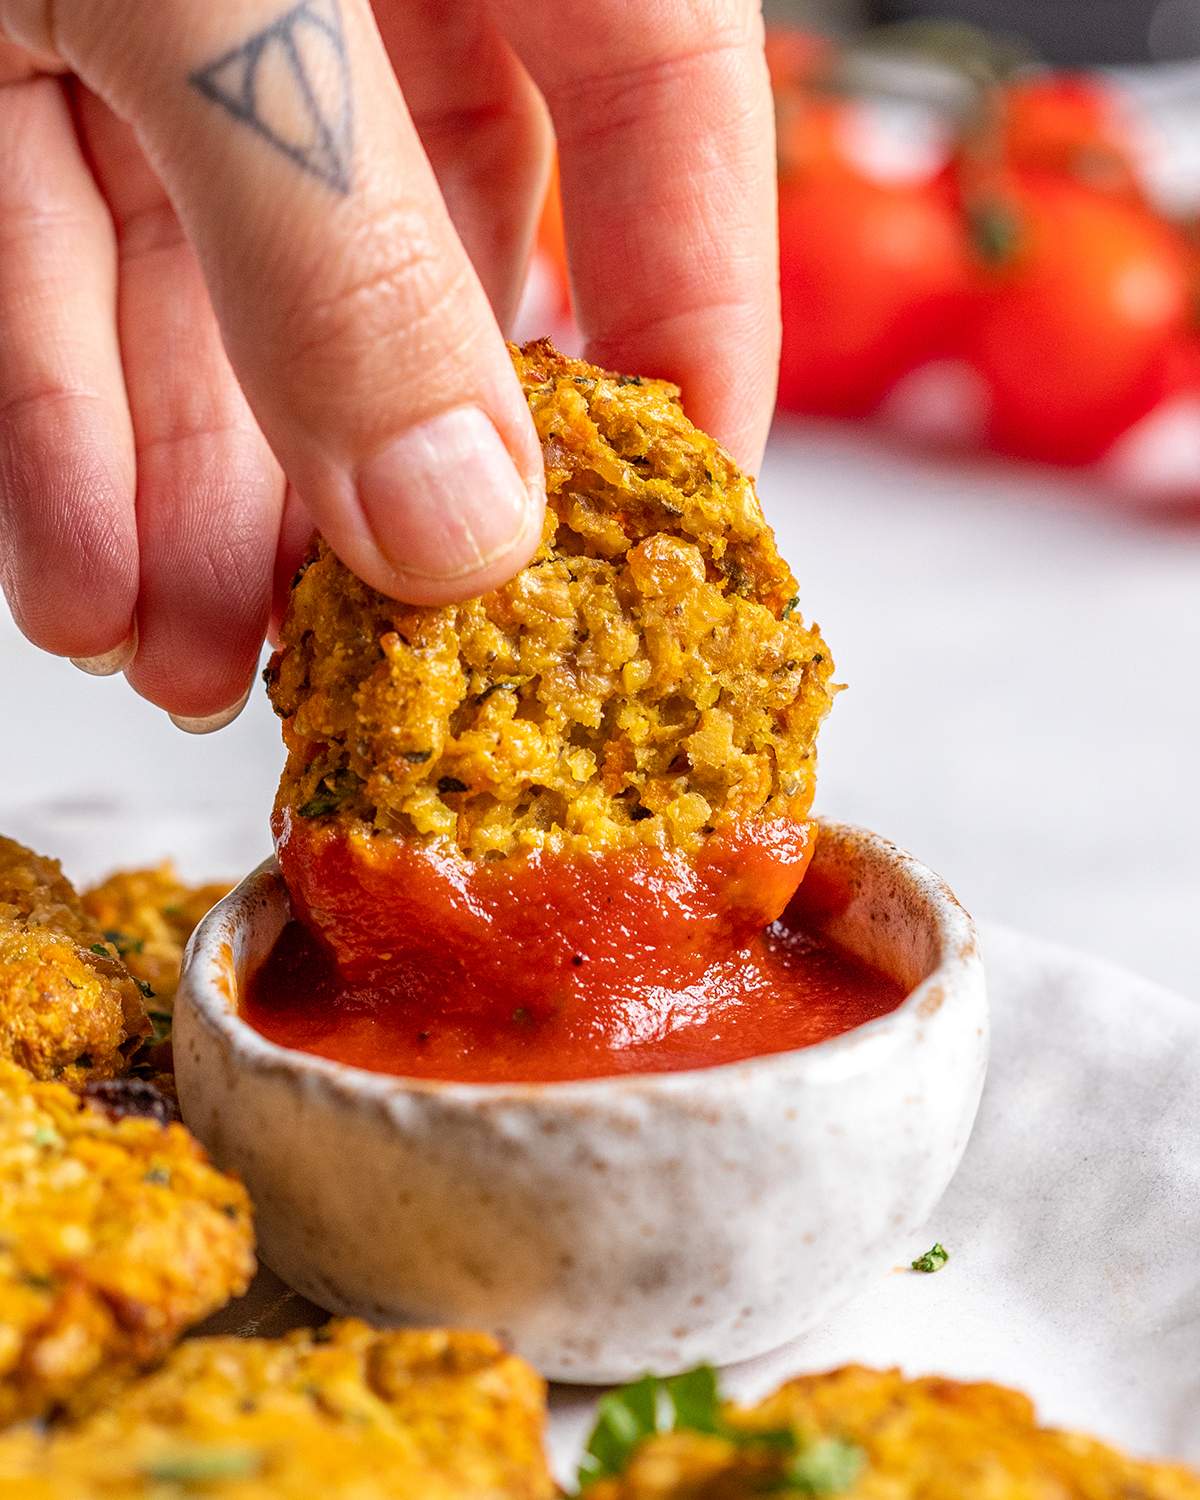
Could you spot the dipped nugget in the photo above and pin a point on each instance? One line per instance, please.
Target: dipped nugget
(116, 1234)
(343, 1412)
(873, 1435)
(69, 1008)
(644, 694)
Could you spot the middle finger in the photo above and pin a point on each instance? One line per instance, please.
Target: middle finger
(484, 127)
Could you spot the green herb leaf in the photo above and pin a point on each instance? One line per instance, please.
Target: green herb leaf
(826, 1466)
(691, 1402)
(624, 1418)
(46, 1137)
(147, 992)
(197, 1465)
(160, 1176)
(123, 943)
(330, 794)
(694, 1400)
(100, 949)
(933, 1260)
(789, 609)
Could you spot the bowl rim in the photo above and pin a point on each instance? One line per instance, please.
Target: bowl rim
(212, 1000)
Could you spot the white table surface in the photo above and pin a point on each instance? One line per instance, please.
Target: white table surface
(1024, 711)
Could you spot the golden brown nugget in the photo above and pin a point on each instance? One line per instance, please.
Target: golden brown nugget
(345, 1413)
(148, 915)
(69, 1008)
(116, 1234)
(646, 680)
(34, 889)
(893, 1439)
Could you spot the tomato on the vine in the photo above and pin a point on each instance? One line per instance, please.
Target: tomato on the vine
(1073, 125)
(809, 117)
(1086, 301)
(795, 57)
(873, 278)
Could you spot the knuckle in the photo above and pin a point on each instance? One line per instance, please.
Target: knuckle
(153, 226)
(393, 281)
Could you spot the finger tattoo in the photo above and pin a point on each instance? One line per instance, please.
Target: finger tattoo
(290, 83)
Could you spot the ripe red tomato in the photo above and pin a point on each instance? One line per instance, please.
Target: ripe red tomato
(1073, 125)
(796, 57)
(873, 278)
(1078, 319)
(809, 119)
(552, 242)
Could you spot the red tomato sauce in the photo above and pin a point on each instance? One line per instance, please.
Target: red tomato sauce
(786, 988)
(512, 932)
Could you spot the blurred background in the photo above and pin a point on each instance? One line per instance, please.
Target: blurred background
(985, 471)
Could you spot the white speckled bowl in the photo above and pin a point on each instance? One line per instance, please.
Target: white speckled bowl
(610, 1226)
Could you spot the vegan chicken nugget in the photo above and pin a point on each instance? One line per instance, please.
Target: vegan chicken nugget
(632, 719)
(69, 1008)
(873, 1435)
(344, 1413)
(34, 889)
(148, 916)
(116, 1234)
(65, 1011)
(645, 680)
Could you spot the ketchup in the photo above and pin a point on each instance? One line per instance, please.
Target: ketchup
(785, 988)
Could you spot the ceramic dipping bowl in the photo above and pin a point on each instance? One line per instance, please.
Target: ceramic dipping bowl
(609, 1226)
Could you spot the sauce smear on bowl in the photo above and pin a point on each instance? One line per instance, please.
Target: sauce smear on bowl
(788, 988)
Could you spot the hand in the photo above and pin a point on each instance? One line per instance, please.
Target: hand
(255, 257)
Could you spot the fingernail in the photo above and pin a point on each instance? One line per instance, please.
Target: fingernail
(445, 499)
(210, 723)
(109, 663)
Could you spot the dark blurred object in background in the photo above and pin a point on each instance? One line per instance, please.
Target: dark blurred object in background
(1072, 32)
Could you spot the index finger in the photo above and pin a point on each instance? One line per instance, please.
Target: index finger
(667, 151)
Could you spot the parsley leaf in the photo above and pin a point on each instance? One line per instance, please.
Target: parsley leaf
(623, 1419)
(331, 792)
(933, 1260)
(691, 1402)
(123, 943)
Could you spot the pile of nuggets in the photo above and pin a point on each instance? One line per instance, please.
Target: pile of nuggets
(117, 1235)
(116, 1232)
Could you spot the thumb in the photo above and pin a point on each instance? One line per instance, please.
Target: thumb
(351, 313)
